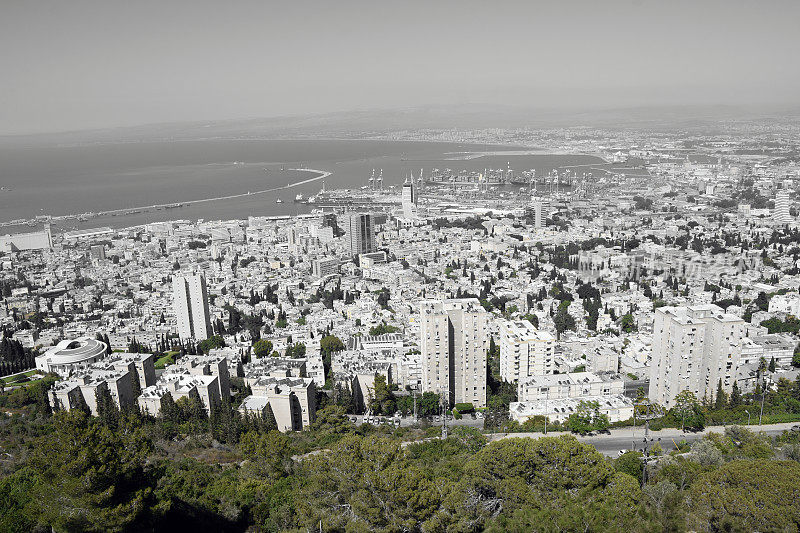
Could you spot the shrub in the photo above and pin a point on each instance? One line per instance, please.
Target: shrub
(465, 408)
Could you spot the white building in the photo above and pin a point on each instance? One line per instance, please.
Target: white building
(557, 396)
(409, 199)
(539, 212)
(524, 350)
(578, 385)
(781, 214)
(324, 266)
(69, 356)
(785, 303)
(453, 341)
(292, 400)
(693, 348)
(40, 240)
(191, 307)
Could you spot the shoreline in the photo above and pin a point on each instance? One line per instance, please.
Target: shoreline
(321, 174)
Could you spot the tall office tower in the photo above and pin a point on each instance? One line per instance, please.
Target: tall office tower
(524, 351)
(409, 199)
(781, 213)
(292, 235)
(537, 213)
(540, 212)
(454, 338)
(693, 348)
(191, 307)
(361, 233)
(329, 220)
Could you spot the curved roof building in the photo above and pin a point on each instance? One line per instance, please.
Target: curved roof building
(71, 355)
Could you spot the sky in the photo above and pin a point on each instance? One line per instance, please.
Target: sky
(80, 64)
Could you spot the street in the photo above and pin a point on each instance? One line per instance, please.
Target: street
(633, 439)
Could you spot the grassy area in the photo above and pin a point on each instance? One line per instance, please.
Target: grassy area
(168, 359)
(19, 377)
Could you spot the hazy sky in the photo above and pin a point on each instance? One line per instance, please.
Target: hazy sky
(74, 64)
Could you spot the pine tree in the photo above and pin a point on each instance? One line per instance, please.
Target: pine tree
(772, 365)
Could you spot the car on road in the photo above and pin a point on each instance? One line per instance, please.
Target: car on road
(622, 452)
(796, 428)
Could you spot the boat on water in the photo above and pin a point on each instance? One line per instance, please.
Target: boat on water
(299, 198)
(278, 201)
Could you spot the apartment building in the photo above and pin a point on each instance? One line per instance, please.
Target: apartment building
(693, 348)
(453, 341)
(524, 350)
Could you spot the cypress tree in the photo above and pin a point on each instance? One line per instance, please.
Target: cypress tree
(736, 397)
(106, 408)
(722, 399)
(270, 423)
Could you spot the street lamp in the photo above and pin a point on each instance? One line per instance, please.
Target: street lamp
(748, 416)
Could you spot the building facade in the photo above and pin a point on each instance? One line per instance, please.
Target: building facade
(693, 348)
(409, 199)
(781, 214)
(361, 233)
(453, 340)
(191, 307)
(524, 350)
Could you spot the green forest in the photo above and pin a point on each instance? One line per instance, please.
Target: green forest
(123, 471)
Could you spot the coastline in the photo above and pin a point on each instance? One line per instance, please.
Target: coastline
(321, 174)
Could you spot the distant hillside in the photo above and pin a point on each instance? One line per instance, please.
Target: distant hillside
(374, 122)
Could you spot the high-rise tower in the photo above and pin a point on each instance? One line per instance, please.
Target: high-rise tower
(361, 232)
(191, 307)
(454, 337)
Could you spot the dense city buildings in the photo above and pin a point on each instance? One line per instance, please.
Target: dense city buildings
(379, 266)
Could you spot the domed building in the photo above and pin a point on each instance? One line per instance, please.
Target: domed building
(69, 356)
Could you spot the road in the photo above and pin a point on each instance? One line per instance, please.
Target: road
(609, 444)
(633, 439)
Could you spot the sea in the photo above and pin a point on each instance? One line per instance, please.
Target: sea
(42, 178)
